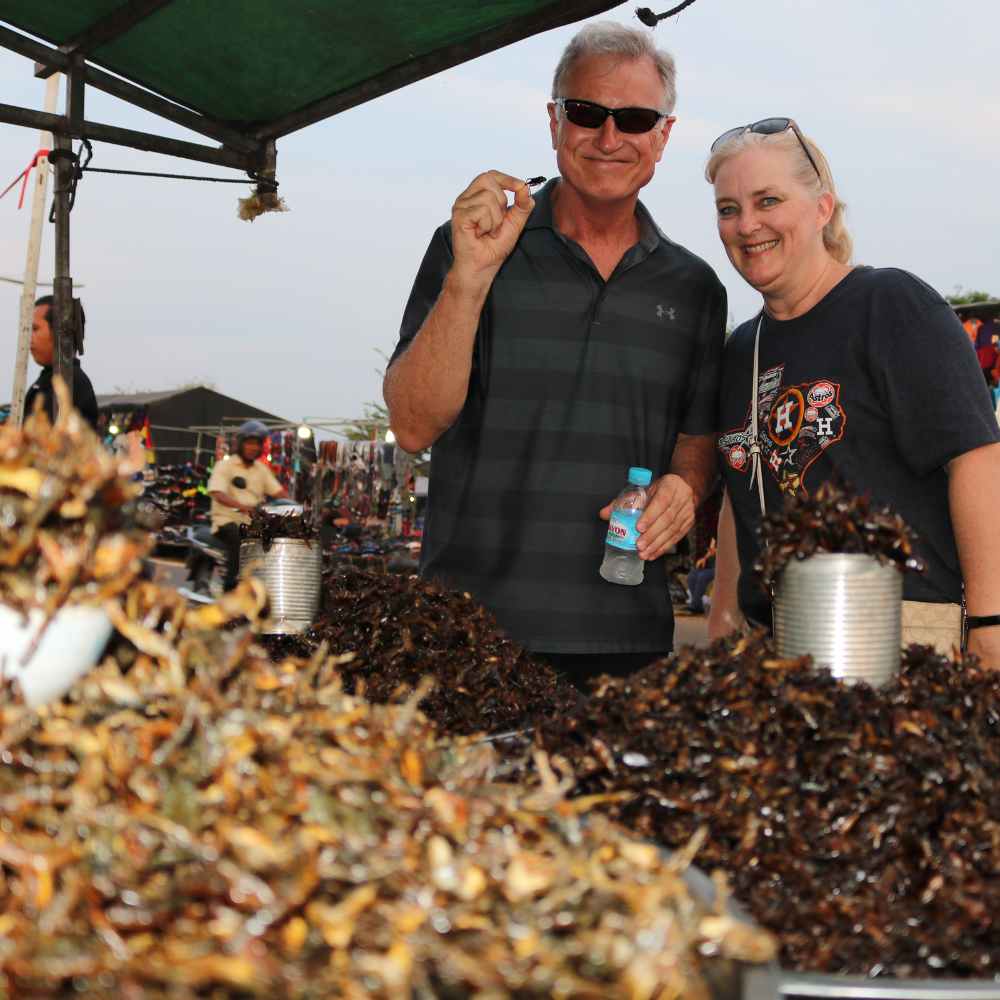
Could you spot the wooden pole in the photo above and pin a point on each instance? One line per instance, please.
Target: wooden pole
(31, 262)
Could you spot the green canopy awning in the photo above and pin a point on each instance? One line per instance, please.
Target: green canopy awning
(263, 68)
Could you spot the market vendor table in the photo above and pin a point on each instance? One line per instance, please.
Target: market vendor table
(763, 984)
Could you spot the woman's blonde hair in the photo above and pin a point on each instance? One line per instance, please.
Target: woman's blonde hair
(836, 238)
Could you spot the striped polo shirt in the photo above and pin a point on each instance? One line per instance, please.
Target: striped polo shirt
(574, 380)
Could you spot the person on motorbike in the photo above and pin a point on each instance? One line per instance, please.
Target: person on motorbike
(238, 484)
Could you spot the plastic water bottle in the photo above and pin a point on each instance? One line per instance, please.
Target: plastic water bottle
(621, 558)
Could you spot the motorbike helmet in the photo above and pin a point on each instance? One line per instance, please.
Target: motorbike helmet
(251, 429)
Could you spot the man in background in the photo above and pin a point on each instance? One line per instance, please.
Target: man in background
(43, 353)
(238, 485)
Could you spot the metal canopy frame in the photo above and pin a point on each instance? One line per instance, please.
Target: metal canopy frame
(238, 149)
(249, 147)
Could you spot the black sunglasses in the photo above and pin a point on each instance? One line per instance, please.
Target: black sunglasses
(586, 114)
(767, 126)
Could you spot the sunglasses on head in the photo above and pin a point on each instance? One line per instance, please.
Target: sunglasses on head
(586, 114)
(767, 126)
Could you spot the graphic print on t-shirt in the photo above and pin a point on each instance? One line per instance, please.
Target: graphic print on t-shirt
(795, 425)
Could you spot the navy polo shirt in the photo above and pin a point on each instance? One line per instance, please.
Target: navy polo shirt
(574, 380)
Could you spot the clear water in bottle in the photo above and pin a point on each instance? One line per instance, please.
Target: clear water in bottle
(621, 558)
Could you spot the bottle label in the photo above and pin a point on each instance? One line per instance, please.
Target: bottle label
(622, 533)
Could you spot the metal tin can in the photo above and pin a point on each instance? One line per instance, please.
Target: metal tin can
(291, 571)
(845, 612)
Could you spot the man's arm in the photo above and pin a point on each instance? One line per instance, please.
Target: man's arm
(426, 386)
(974, 499)
(273, 489)
(674, 498)
(227, 501)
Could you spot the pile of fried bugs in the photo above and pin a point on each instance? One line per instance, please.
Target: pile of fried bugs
(391, 631)
(266, 526)
(833, 520)
(861, 826)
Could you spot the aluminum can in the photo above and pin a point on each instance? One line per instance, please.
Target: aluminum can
(843, 610)
(291, 571)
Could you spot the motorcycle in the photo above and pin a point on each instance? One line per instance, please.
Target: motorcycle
(206, 556)
(206, 565)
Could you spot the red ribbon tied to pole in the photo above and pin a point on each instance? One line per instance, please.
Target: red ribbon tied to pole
(24, 174)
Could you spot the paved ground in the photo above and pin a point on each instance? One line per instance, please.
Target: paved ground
(690, 630)
(168, 572)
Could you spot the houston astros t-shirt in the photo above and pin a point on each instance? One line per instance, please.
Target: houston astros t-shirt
(877, 386)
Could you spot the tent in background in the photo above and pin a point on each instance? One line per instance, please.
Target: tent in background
(184, 424)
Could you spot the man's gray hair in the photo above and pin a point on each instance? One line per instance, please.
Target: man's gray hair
(609, 38)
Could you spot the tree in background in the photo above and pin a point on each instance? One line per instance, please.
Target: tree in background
(371, 426)
(964, 297)
(374, 423)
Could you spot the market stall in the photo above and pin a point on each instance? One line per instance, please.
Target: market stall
(205, 815)
(183, 432)
(179, 425)
(365, 480)
(191, 818)
(403, 786)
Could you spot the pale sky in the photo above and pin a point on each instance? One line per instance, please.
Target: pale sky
(289, 313)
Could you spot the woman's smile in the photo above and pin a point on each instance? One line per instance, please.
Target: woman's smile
(771, 226)
(758, 248)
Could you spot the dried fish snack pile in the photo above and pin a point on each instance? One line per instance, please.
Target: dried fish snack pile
(64, 531)
(861, 826)
(401, 629)
(833, 520)
(211, 824)
(266, 527)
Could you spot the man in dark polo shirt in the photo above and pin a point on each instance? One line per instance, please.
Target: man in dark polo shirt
(545, 348)
(42, 349)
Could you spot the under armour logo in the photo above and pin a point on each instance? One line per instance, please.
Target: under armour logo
(669, 313)
(783, 421)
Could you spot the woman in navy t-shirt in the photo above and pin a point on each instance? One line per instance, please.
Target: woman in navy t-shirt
(857, 373)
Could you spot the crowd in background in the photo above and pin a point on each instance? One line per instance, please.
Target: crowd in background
(985, 337)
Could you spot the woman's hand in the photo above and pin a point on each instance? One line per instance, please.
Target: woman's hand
(973, 499)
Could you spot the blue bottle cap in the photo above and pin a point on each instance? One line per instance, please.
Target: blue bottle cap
(638, 476)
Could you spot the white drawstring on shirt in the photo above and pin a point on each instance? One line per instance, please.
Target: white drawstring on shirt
(756, 467)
